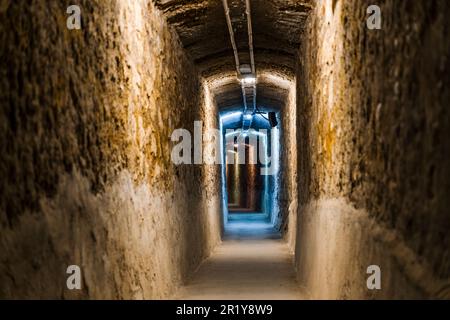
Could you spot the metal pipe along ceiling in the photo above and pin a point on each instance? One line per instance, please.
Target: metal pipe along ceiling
(233, 44)
(245, 122)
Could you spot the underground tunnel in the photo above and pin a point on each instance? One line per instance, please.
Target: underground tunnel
(313, 138)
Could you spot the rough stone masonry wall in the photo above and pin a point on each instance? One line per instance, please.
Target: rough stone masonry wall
(86, 177)
(374, 128)
(288, 174)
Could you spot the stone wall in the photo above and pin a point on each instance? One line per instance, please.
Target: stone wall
(288, 164)
(373, 165)
(86, 118)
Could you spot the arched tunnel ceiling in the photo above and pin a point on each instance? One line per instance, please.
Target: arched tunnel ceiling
(277, 27)
(270, 96)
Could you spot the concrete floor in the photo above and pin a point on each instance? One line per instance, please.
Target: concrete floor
(251, 263)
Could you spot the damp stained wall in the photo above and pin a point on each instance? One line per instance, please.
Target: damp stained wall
(373, 169)
(86, 118)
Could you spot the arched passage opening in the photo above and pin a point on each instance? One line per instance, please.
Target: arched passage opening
(252, 181)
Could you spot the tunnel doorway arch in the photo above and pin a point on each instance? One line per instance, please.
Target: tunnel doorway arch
(250, 189)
